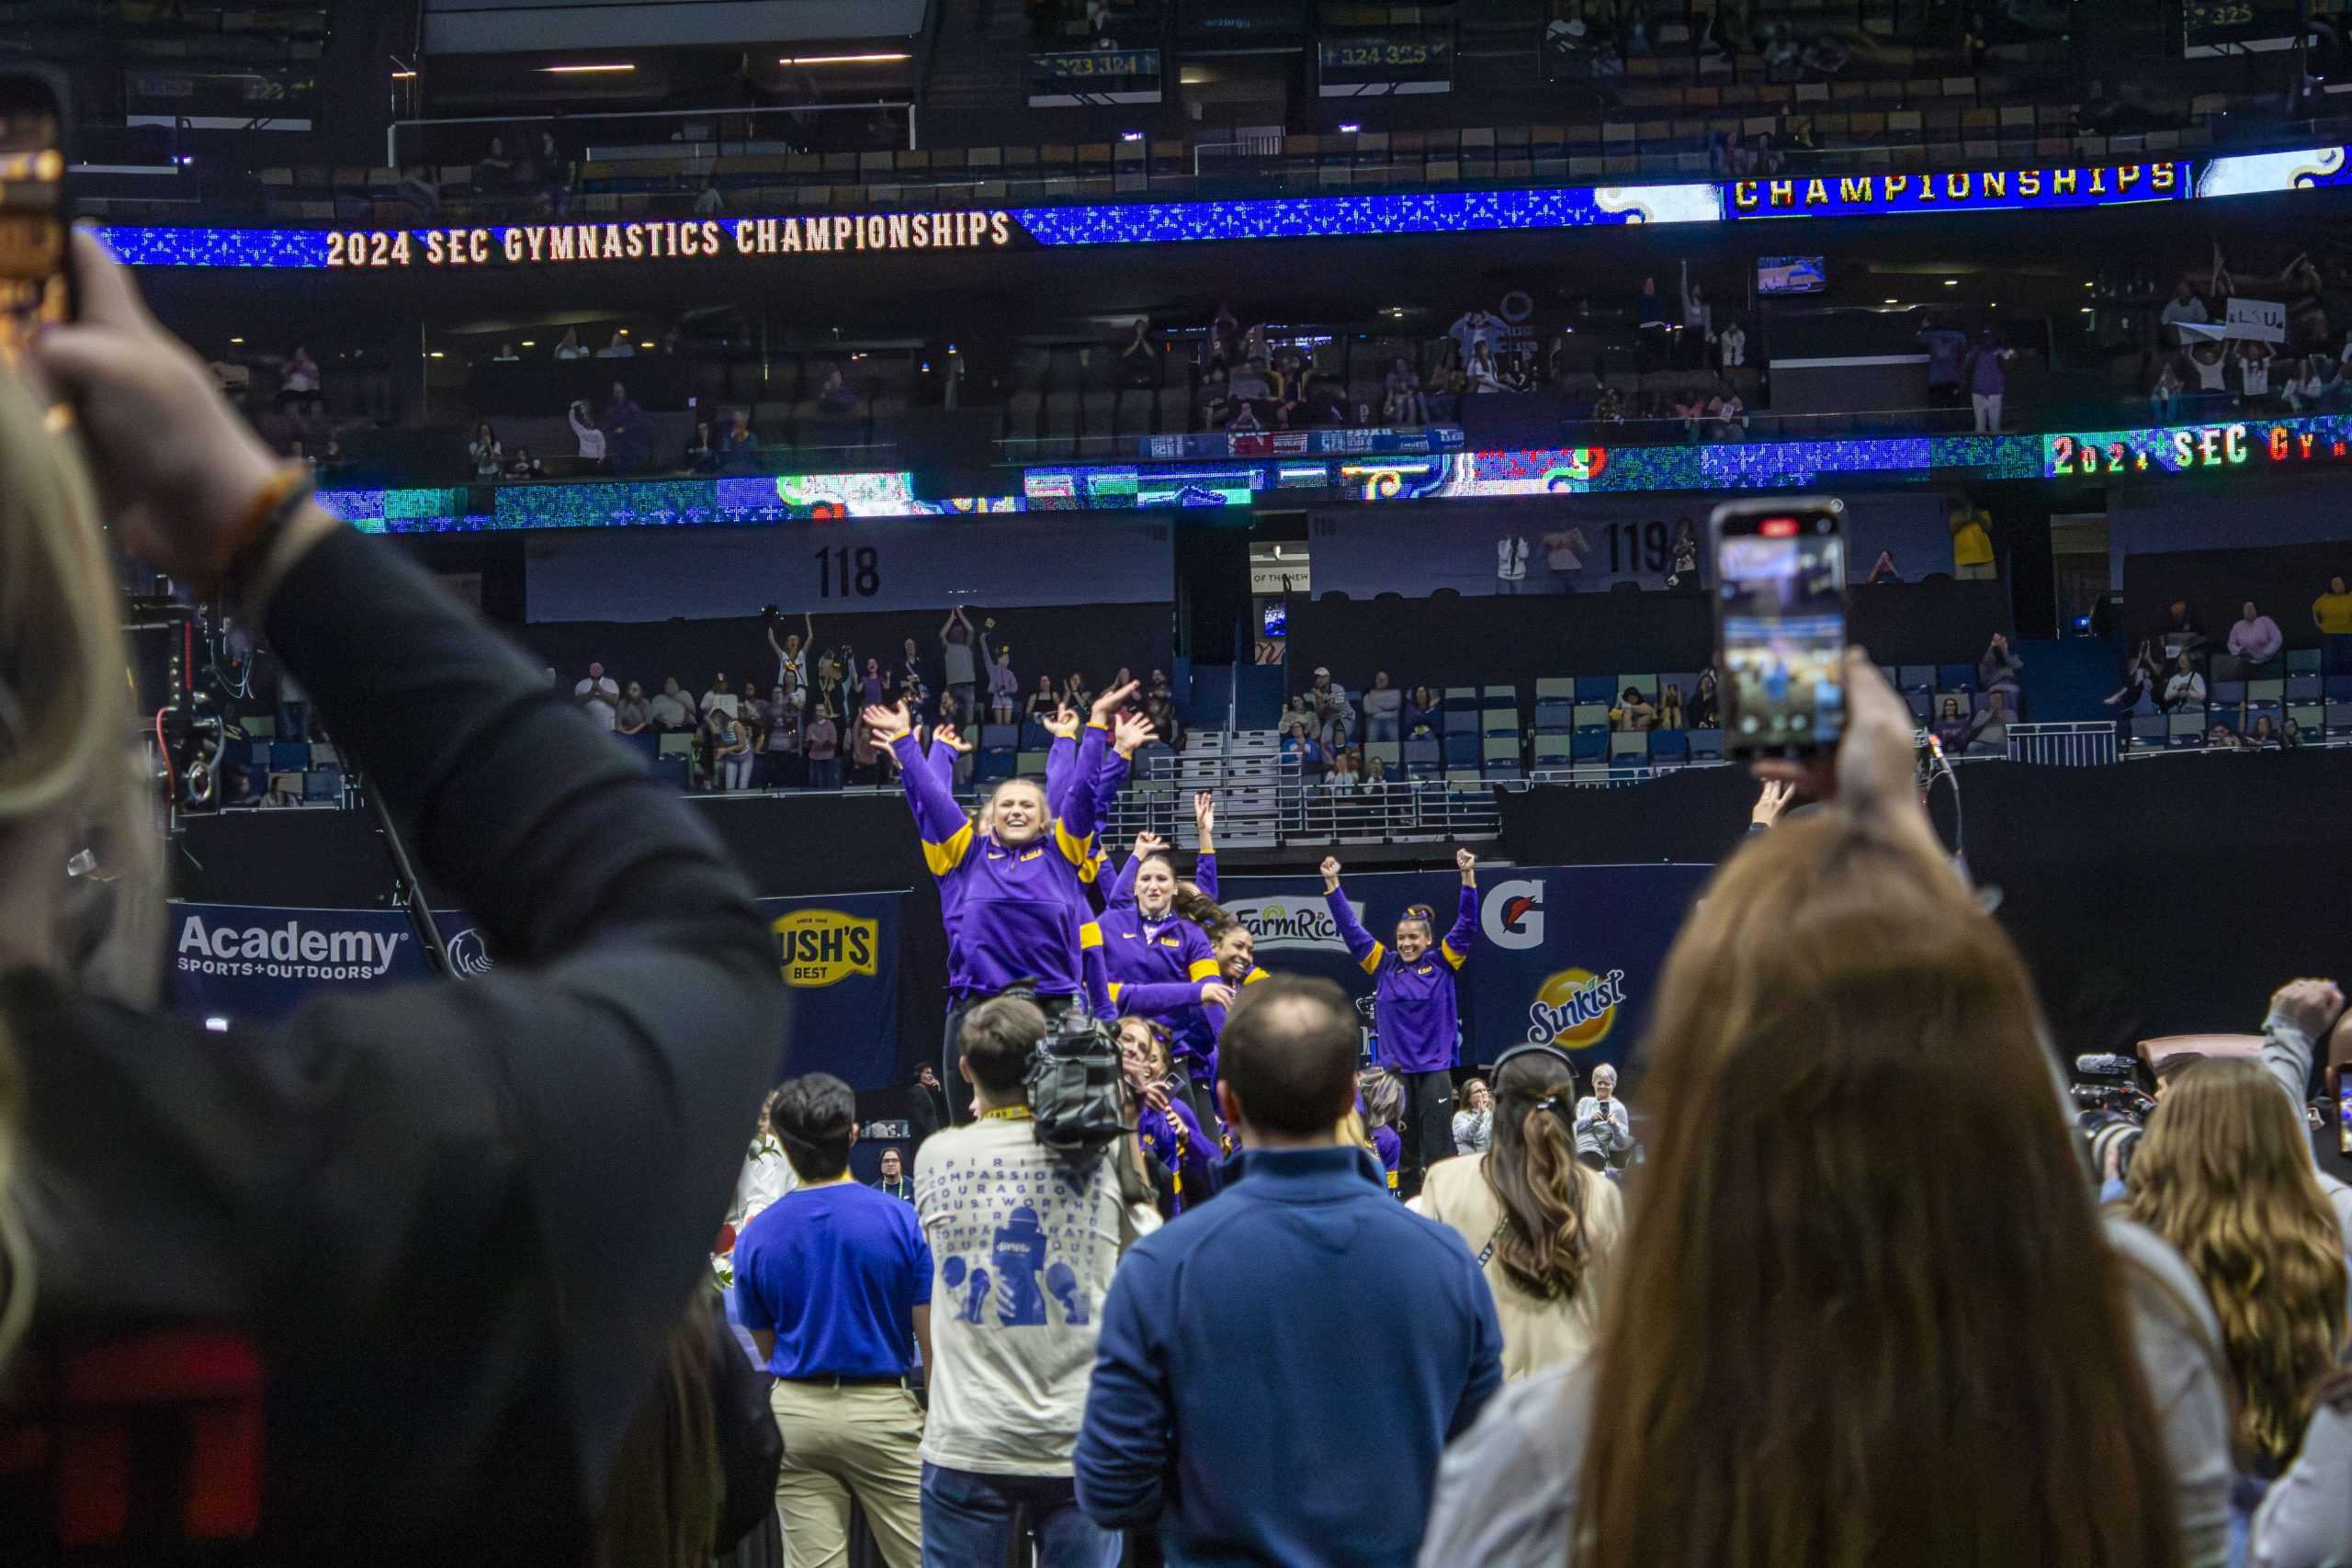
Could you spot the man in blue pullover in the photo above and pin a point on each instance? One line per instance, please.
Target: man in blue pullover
(1278, 1372)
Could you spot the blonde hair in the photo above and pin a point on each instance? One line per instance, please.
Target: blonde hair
(67, 768)
(2224, 1174)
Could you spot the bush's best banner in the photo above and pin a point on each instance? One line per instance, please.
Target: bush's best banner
(837, 957)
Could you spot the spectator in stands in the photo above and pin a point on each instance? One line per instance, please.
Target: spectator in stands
(1245, 419)
(1309, 751)
(1481, 371)
(1045, 702)
(892, 1183)
(1376, 774)
(1513, 373)
(495, 169)
(1382, 1096)
(2164, 398)
(591, 440)
(2184, 631)
(1690, 406)
(1474, 1123)
(719, 695)
(873, 685)
(1698, 322)
(2224, 1174)
(1076, 694)
(489, 456)
(1604, 1127)
(2252, 360)
(299, 376)
(568, 345)
(522, 466)
(834, 1281)
(2264, 736)
(1347, 769)
(2143, 677)
(1987, 375)
(600, 695)
(2184, 306)
(1223, 341)
(821, 741)
(1996, 669)
(1652, 325)
(702, 452)
(2221, 737)
(629, 438)
(2209, 364)
(1422, 713)
(1564, 553)
(961, 676)
(1193, 1379)
(2187, 687)
(1706, 704)
(2306, 384)
(865, 753)
(779, 755)
(912, 685)
(1946, 348)
(1383, 707)
(1988, 727)
(834, 398)
(633, 716)
(1009, 1389)
(2304, 1522)
(1139, 361)
(1005, 686)
(1670, 714)
(1726, 412)
(671, 709)
(1546, 1227)
(619, 348)
(2256, 638)
(2332, 616)
(1951, 727)
(1634, 711)
(711, 201)
(1404, 401)
(739, 448)
(1473, 328)
(1732, 345)
(730, 749)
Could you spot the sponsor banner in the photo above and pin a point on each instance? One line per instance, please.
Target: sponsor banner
(1961, 190)
(837, 958)
(1565, 956)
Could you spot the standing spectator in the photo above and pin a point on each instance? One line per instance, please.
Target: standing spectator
(2306, 384)
(1382, 1095)
(913, 686)
(1074, 692)
(672, 709)
(1005, 686)
(2184, 306)
(633, 716)
(720, 697)
(1235, 1430)
(300, 377)
(2252, 360)
(522, 466)
(1472, 330)
(628, 438)
(1335, 712)
(2142, 678)
(2305, 1520)
(2332, 616)
(1510, 562)
(1564, 553)
(600, 695)
(1733, 345)
(1546, 1227)
(1651, 324)
(1996, 670)
(792, 653)
(1025, 1242)
(489, 456)
(1474, 1124)
(834, 1281)
(730, 749)
(591, 440)
(1946, 347)
(1423, 713)
(701, 456)
(2164, 398)
(2256, 638)
(1481, 370)
(1309, 751)
(779, 758)
(1698, 322)
(1950, 728)
(1605, 1128)
(1988, 380)
(956, 662)
(864, 755)
(822, 740)
(892, 1183)
(2184, 630)
(1707, 706)
(2187, 687)
(1139, 361)
(2211, 365)
(1382, 705)
(739, 449)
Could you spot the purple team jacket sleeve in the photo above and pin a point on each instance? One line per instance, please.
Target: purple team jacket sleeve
(1074, 823)
(1464, 934)
(1122, 1455)
(946, 831)
(1122, 891)
(1205, 875)
(1059, 760)
(1362, 946)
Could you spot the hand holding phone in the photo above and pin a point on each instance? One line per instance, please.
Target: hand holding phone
(1780, 625)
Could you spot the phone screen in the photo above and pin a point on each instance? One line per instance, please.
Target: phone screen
(1782, 598)
(35, 289)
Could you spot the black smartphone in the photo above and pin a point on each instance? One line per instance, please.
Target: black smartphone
(1780, 623)
(36, 271)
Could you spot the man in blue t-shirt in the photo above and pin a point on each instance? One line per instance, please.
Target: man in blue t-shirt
(833, 1281)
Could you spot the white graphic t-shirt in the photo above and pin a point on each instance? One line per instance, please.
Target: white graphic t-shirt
(1024, 1243)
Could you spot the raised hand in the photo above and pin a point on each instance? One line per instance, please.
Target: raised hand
(888, 725)
(1467, 864)
(1130, 732)
(1771, 803)
(948, 735)
(1063, 725)
(1330, 870)
(2312, 1006)
(1110, 701)
(1215, 992)
(1205, 812)
(1149, 843)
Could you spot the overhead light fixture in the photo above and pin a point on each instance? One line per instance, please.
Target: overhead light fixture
(1131, 136)
(585, 70)
(403, 76)
(1889, 301)
(235, 340)
(1951, 283)
(530, 342)
(434, 355)
(1350, 127)
(843, 59)
(647, 346)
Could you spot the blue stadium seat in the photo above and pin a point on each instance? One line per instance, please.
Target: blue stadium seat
(2339, 688)
(2185, 720)
(670, 770)
(2225, 693)
(323, 784)
(1421, 757)
(1706, 744)
(1501, 721)
(1511, 770)
(2310, 717)
(1915, 678)
(2190, 741)
(290, 756)
(1462, 696)
(2302, 662)
(999, 738)
(1955, 677)
(1633, 743)
(1502, 697)
(1588, 714)
(1460, 751)
(1461, 720)
(1552, 716)
(2339, 716)
(1590, 744)
(1035, 737)
(1596, 689)
(1551, 749)
(2266, 688)
(2303, 688)
(2148, 729)
(994, 764)
(1922, 702)
(1499, 749)
(1670, 745)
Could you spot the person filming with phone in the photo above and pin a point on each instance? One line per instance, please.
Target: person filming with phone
(387, 1279)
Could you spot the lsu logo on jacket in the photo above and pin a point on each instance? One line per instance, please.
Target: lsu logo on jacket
(823, 947)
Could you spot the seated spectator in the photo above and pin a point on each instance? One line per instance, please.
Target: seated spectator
(1382, 706)
(633, 716)
(739, 448)
(2291, 737)
(1423, 713)
(495, 169)
(2256, 638)
(2142, 678)
(1139, 361)
(1308, 752)
(2185, 687)
(1162, 716)
(2164, 398)
(834, 398)
(2183, 632)
(1946, 346)
(489, 456)
(1632, 712)
(1346, 771)
(1669, 707)
(567, 346)
(1250, 384)
(671, 709)
(1998, 667)
(1726, 413)
(702, 453)
(2221, 737)
(1951, 727)
(522, 466)
(619, 348)
(1988, 728)
(1044, 703)
(1706, 704)
(1512, 374)
(1376, 774)
(1404, 402)
(2307, 387)
(1471, 330)
(2264, 736)
(711, 201)
(1245, 419)
(591, 440)
(1608, 404)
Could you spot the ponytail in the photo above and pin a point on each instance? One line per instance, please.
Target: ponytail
(1533, 1173)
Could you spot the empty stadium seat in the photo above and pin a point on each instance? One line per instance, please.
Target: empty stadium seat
(1552, 749)
(1596, 689)
(2304, 687)
(1590, 743)
(2148, 729)
(1499, 748)
(1553, 716)
(2186, 720)
(1501, 721)
(1462, 749)
(1629, 743)
(1421, 757)
(1561, 687)
(1669, 746)
(1592, 714)
(1461, 720)
(1914, 678)
(2267, 689)
(1706, 744)
(2226, 694)
(2302, 662)
(1955, 677)
(1646, 685)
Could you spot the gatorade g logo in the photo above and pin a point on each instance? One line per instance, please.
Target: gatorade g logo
(823, 947)
(1512, 915)
(1574, 1008)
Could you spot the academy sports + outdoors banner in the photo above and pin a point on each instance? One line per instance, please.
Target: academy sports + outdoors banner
(1565, 956)
(838, 958)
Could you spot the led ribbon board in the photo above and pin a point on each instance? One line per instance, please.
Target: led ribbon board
(2312, 441)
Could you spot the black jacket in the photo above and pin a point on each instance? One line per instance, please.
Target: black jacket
(444, 1231)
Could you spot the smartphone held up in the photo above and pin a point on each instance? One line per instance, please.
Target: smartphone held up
(1780, 623)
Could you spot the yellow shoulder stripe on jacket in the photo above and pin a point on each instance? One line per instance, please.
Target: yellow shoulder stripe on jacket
(1089, 934)
(1370, 961)
(1075, 850)
(945, 857)
(1446, 950)
(1201, 969)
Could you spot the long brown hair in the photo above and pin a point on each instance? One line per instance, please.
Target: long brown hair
(662, 1501)
(1869, 1316)
(2224, 1175)
(1533, 1172)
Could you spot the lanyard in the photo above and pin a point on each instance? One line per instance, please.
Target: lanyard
(1006, 1113)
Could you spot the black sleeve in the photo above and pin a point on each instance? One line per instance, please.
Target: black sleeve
(460, 1218)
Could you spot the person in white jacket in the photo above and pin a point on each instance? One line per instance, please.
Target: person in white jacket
(1604, 1127)
(1511, 563)
(591, 440)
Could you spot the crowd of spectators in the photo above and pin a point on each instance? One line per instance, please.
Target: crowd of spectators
(2248, 691)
